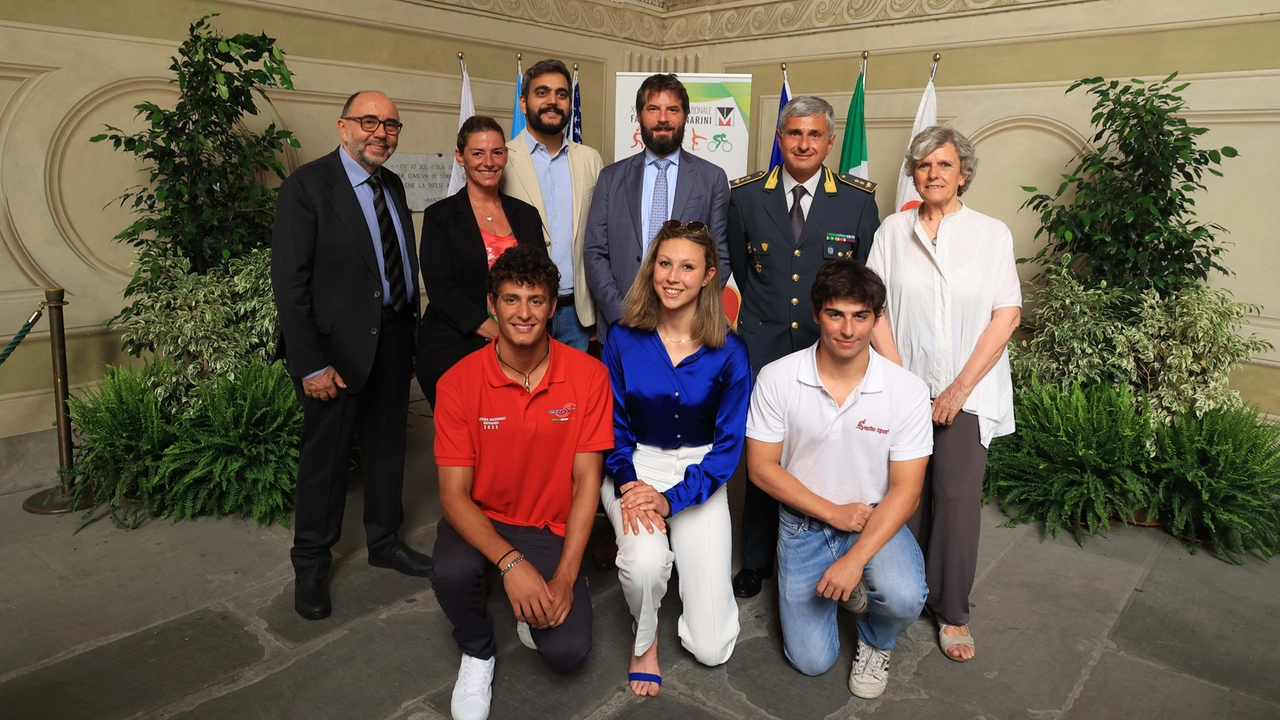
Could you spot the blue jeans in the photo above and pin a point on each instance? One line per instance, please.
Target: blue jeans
(894, 578)
(566, 328)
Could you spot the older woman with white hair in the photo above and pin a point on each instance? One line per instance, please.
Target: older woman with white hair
(954, 301)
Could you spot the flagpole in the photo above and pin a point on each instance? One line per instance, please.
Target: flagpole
(933, 69)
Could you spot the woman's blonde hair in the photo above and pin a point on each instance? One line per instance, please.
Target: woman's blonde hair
(642, 308)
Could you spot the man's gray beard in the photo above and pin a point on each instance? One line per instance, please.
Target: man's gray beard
(364, 158)
(664, 149)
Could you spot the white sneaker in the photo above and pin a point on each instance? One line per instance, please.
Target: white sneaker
(474, 689)
(857, 602)
(870, 674)
(526, 638)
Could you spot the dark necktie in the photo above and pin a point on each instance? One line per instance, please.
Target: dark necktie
(393, 267)
(797, 212)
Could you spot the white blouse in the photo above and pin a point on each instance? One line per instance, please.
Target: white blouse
(941, 299)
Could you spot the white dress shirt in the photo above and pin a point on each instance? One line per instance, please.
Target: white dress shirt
(941, 300)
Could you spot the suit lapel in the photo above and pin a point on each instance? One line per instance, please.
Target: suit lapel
(348, 209)
(525, 175)
(685, 181)
(820, 209)
(775, 206)
(635, 194)
(465, 218)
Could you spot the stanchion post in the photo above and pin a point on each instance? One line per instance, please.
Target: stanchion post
(55, 500)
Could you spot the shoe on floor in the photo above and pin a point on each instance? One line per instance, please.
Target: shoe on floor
(474, 689)
(311, 598)
(403, 558)
(748, 581)
(526, 637)
(947, 642)
(870, 674)
(857, 602)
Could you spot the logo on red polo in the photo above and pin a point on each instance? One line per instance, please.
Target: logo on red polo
(562, 414)
(862, 425)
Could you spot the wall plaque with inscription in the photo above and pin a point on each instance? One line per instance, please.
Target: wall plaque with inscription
(426, 176)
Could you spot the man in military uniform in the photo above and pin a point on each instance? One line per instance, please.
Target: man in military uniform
(783, 225)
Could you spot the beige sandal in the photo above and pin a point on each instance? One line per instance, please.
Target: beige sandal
(947, 642)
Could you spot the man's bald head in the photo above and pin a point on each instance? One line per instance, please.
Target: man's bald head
(370, 148)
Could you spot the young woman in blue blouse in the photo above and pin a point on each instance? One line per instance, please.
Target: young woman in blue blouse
(681, 386)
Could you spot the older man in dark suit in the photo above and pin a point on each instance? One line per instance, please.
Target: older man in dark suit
(343, 271)
(635, 196)
(783, 226)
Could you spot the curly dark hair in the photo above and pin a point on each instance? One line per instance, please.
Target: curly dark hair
(526, 265)
(478, 124)
(847, 279)
(545, 67)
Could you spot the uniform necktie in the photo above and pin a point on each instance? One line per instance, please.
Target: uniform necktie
(658, 211)
(797, 212)
(392, 265)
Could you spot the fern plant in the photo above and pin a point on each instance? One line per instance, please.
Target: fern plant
(124, 426)
(1219, 481)
(237, 450)
(1080, 457)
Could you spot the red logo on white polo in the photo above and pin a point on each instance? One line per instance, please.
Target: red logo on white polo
(862, 425)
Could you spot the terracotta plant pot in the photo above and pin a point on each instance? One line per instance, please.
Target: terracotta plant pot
(1142, 518)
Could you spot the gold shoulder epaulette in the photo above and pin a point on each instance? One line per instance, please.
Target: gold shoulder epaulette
(747, 179)
(855, 181)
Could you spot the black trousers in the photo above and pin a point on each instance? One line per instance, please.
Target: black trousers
(759, 528)
(949, 518)
(380, 409)
(458, 579)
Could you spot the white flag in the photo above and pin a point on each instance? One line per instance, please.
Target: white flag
(926, 117)
(468, 109)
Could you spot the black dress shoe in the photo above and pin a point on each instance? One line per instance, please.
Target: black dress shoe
(747, 582)
(311, 598)
(403, 558)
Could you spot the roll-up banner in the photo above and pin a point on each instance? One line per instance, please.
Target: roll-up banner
(718, 126)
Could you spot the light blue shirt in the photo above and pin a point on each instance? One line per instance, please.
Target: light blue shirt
(359, 178)
(556, 184)
(646, 199)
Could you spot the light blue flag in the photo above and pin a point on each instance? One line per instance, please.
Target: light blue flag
(776, 159)
(517, 117)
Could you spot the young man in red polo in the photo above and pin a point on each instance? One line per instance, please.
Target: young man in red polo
(521, 430)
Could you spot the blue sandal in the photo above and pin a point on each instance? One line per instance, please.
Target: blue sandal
(645, 677)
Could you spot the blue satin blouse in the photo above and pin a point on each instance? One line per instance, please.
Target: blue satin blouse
(701, 401)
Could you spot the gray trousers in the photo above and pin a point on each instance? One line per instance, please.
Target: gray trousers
(948, 520)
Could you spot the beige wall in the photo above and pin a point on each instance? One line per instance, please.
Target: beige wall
(69, 66)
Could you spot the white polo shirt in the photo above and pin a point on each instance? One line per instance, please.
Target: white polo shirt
(841, 452)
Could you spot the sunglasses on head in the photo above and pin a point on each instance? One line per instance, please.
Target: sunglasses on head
(694, 226)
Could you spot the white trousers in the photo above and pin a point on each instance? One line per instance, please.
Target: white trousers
(699, 540)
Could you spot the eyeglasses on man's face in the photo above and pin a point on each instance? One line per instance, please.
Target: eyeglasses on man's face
(370, 123)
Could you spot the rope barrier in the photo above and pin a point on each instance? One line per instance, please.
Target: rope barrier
(26, 328)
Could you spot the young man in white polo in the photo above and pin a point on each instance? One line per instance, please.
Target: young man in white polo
(841, 437)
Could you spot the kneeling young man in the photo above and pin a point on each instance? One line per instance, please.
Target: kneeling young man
(840, 437)
(521, 430)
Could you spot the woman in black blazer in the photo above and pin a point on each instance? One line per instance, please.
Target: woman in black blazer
(461, 237)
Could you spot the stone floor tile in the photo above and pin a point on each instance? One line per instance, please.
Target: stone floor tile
(372, 668)
(994, 540)
(1038, 620)
(761, 673)
(134, 597)
(25, 573)
(137, 673)
(665, 706)
(1123, 687)
(1203, 617)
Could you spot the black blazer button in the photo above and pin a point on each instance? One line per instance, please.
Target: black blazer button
(637, 258)
(377, 293)
(373, 331)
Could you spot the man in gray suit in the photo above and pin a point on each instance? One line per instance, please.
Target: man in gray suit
(635, 196)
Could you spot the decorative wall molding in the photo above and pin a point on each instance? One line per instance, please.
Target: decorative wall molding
(29, 76)
(680, 23)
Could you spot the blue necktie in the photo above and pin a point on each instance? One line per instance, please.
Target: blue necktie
(658, 211)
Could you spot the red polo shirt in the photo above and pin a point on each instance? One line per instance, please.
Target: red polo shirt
(522, 444)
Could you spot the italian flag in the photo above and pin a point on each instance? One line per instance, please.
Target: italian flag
(853, 152)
